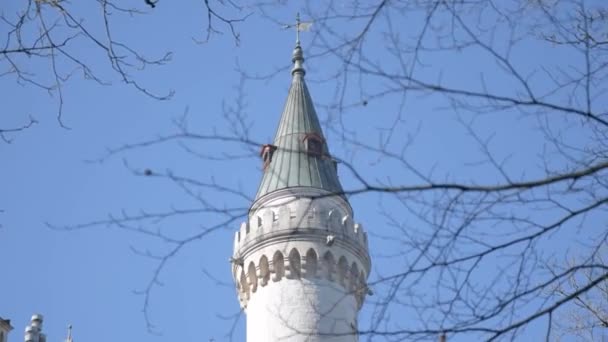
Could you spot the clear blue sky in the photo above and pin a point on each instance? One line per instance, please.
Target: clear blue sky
(87, 278)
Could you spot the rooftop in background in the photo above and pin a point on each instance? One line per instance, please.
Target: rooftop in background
(5, 324)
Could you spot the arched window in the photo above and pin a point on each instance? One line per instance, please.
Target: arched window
(253, 277)
(264, 270)
(310, 269)
(295, 264)
(362, 290)
(313, 143)
(354, 277)
(329, 264)
(278, 263)
(266, 153)
(342, 271)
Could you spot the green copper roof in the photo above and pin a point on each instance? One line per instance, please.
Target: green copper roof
(291, 164)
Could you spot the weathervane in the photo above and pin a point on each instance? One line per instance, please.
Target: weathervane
(299, 26)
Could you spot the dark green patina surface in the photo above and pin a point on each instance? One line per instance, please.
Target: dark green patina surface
(291, 164)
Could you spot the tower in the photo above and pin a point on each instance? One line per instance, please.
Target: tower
(33, 332)
(300, 263)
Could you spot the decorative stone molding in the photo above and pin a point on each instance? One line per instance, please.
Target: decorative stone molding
(299, 265)
(302, 215)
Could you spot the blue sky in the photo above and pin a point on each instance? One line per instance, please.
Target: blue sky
(88, 277)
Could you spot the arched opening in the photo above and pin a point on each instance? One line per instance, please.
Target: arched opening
(329, 264)
(342, 271)
(266, 153)
(313, 143)
(354, 277)
(362, 290)
(311, 266)
(295, 264)
(244, 285)
(362, 282)
(278, 264)
(264, 270)
(253, 277)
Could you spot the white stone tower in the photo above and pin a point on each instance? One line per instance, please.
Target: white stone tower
(33, 332)
(300, 263)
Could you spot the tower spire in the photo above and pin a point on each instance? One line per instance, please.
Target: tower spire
(298, 55)
(299, 156)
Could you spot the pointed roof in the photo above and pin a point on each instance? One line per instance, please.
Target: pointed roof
(292, 164)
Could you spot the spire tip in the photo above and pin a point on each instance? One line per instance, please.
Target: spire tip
(298, 54)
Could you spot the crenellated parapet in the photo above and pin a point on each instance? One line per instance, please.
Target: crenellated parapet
(311, 264)
(324, 219)
(301, 237)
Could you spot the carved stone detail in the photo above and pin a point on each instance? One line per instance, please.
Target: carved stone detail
(302, 265)
(308, 216)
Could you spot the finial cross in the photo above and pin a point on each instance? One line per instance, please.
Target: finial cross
(299, 26)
